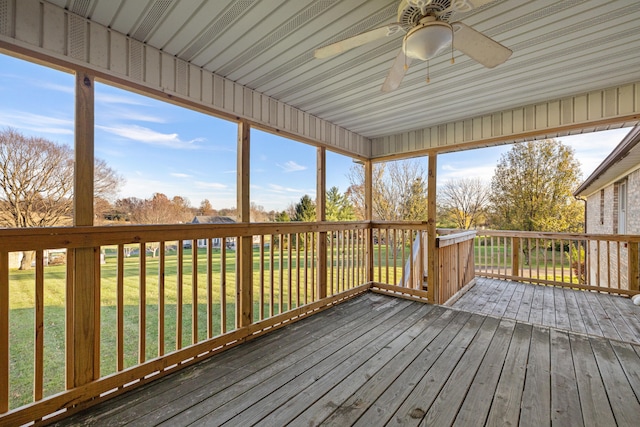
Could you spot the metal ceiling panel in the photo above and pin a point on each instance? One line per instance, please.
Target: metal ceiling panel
(560, 49)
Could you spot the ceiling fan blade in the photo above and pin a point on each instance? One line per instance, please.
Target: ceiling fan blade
(359, 40)
(467, 5)
(397, 72)
(476, 45)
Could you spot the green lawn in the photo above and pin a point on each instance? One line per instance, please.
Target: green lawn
(22, 297)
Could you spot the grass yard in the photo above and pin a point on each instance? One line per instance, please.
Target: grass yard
(22, 299)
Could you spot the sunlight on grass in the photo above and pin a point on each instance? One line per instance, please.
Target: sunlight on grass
(279, 296)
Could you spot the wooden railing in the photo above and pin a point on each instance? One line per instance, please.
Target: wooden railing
(399, 258)
(168, 296)
(607, 263)
(456, 268)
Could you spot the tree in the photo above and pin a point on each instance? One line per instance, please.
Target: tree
(159, 209)
(398, 190)
(414, 203)
(338, 206)
(305, 210)
(205, 208)
(464, 202)
(36, 183)
(282, 217)
(532, 188)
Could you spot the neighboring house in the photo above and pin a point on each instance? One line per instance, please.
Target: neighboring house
(216, 242)
(613, 206)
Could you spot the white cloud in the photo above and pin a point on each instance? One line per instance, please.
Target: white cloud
(22, 120)
(281, 189)
(180, 175)
(151, 137)
(211, 185)
(108, 98)
(292, 166)
(69, 89)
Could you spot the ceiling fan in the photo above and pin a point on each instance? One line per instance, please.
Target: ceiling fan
(428, 33)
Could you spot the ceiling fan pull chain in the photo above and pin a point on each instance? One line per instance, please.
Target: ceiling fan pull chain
(428, 69)
(404, 41)
(453, 61)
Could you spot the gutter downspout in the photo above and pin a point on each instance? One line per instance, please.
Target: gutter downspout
(585, 211)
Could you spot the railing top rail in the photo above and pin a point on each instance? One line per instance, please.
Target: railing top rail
(452, 239)
(560, 236)
(20, 239)
(413, 225)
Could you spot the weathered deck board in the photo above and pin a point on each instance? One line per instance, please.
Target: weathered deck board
(592, 313)
(565, 398)
(378, 360)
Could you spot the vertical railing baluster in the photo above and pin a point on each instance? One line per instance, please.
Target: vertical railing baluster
(618, 259)
(142, 304)
(332, 237)
(161, 292)
(386, 252)
(289, 271)
(298, 269)
(119, 307)
(194, 291)
(608, 264)
(38, 380)
(179, 297)
(4, 331)
(223, 285)
(281, 273)
(209, 267)
(261, 292)
(272, 274)
(312, 256)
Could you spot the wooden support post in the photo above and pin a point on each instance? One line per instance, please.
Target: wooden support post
(321, 215)
(515, 256)
(244, 252)
(84, 305)
(368, 215)
(432, 255)
(634, 276)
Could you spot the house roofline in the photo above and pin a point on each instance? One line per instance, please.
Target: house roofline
(620, 152)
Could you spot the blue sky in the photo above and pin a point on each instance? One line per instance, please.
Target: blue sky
(159, 147)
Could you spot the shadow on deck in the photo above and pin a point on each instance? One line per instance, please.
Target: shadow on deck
(377, 360)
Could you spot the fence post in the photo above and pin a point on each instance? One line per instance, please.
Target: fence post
(633, 266)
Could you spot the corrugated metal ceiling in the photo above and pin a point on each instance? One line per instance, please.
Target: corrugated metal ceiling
(560, 48)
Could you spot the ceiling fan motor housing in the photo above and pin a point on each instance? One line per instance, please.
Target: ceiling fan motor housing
(410, 12)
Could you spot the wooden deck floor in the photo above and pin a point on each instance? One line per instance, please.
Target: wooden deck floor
(584, 312)
(377, 360)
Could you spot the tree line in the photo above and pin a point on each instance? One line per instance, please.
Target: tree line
(530, 190)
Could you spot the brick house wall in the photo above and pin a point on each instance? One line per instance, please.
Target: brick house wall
(602, 218)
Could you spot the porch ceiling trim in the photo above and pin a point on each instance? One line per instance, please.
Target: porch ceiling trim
(610, 108)
(48, 33)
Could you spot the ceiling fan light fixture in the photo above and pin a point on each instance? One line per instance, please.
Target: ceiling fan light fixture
(427, 40)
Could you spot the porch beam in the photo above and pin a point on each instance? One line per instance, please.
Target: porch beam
(432, 255)
(548, 119)
(321, 216)
(83, 318)
(244, 263)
